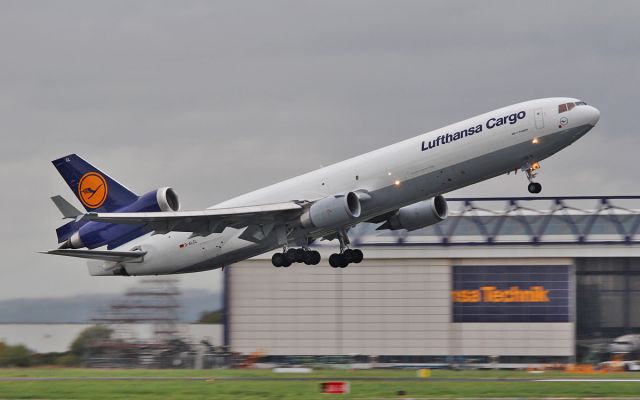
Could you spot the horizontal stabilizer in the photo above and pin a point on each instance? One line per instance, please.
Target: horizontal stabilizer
(66, 209)
(104, 255)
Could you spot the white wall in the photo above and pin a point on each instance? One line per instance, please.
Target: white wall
(379, 307)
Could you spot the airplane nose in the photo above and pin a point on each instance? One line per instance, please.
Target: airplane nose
(594, 115)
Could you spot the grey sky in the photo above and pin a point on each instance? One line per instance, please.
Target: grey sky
(219, 98)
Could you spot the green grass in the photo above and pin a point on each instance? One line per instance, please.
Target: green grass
(223, 389)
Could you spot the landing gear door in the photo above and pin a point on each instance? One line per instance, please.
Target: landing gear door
(539, 118)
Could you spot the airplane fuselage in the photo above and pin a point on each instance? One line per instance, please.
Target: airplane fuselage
(398, 175)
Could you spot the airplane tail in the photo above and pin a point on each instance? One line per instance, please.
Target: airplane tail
(96, 190)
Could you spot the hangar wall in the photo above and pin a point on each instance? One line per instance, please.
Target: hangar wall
(388, 306)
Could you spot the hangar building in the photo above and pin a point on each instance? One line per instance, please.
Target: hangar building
(512, 280)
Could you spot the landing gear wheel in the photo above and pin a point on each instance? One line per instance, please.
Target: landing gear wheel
(338, 261)
(357, 256)
(277, 259)
(299, 255)
(290, 256)
(348, 255)
(334, 260)
(342, 261)
(534, 187)
(286, 263)
(538, 187)
(308, 258)
(315, 257)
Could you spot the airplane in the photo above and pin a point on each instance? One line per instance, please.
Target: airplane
(400, 186)
(625, 344)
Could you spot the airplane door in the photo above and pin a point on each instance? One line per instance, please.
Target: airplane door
(539, 118)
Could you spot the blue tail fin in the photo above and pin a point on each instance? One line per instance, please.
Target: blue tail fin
(96, 190)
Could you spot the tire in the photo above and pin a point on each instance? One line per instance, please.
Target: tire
(341, 261)
(308, 258)
(299, 255)
(333, 260)
(286, 263)
(277, 259)
(532, 188)
(348, 255)
(316, 257)
(358, 256)
(290, 256)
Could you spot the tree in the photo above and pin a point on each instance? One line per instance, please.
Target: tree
(211, 317)
(14, 356)
(88, 338)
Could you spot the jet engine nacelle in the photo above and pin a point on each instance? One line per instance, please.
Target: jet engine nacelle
(419, 215)
(95, 234)
(332, 211)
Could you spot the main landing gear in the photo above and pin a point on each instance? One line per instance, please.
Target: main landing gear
(346, 255)
(529, 169)
(290, 256)
(312, 257)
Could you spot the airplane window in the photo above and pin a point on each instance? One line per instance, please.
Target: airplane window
(581, 103)
(570, 106)
(562, 108)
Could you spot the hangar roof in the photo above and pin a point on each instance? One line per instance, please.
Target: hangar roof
(523, 220)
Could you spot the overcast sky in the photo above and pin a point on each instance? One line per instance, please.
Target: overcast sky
(219, 98)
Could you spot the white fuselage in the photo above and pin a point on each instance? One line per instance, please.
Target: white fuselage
(416, 169)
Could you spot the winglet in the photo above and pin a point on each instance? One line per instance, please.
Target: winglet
(66, 209)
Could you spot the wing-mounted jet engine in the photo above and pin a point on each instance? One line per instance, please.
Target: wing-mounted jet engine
(332, 211)
(418, 215)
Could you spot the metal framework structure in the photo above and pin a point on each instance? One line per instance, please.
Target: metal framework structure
(154, 302)
(527, 220)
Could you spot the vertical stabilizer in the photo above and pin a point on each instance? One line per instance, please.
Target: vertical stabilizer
(96, 190)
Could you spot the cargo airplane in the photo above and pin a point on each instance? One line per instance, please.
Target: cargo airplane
(398, 187)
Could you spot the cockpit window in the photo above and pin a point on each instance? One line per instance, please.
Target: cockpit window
(569, 106)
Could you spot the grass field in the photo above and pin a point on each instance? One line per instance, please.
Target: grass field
(216, 387)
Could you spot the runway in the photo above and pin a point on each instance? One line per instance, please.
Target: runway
(302, 379)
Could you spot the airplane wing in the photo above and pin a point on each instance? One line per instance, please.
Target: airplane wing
(203, 222)
(104, 255)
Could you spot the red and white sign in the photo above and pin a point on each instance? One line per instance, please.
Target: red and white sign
(335, 387)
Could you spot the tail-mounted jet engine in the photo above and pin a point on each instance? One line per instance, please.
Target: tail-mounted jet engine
(95, 234)
(332, 211)
(418, 215)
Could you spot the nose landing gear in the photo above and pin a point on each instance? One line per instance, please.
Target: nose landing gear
(529, 169)
(534, 187)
